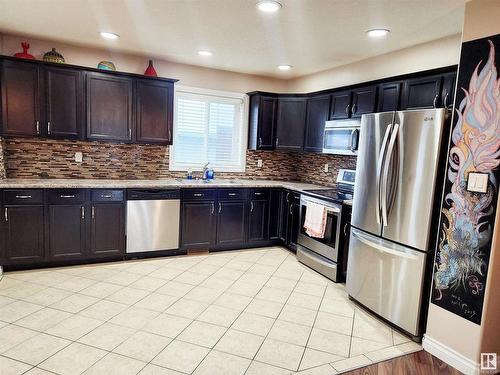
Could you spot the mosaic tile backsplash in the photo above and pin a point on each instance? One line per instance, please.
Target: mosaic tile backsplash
(2, 162)
(35, 158)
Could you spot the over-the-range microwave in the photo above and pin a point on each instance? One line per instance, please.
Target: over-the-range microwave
(341, 137)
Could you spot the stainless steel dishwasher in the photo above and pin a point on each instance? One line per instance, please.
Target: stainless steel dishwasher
(152, 220)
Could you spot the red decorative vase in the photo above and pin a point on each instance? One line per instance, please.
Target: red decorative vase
(150, 71)
(24, 54)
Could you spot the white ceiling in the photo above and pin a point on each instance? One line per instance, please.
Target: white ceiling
(310, 35)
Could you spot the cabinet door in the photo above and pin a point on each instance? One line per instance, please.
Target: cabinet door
(231, 223)
(63, 103)
(267, 123)
(389, 96)
(154, 111)
(24, 227)
(20, 99)
(363, 101)
(283, 228)
(293, 224)
(275, 214)
(291, 123)
(422, 93)
(66, 232)
(198, 224)
(448, 91)
(107, 230)
(109, 107)
(318, 110)
(258, 220)
(341, 105)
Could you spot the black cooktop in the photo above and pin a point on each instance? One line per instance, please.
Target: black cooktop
(335, 195)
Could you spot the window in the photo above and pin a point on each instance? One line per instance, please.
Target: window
(208, 127)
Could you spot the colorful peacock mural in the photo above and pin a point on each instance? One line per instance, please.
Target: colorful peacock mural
(467, 217)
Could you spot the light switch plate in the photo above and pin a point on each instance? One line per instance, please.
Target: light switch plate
(78, 157)
(326, 168)
(477, 182)
(259, 163)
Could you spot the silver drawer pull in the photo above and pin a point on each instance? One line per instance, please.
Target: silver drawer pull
(257, 194)
(83, 212)
(6, 214)
(23, 196)
(108, 196)
(231, 194)
(198, 195)
(67, 196)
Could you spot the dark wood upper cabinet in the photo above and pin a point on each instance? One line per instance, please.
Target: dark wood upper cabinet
(341, 105)
(231, 222)
(363, 101)
(262, 120)
(20, 99)
(389, 95)
(63, 103)
(198, 224)
(24, 227)
(318, 111)
(107, 229)
(291, 122)
(109, 107)
(258, 227)
(448, 91)
(154, 111)
(422, 92)
(66, 231)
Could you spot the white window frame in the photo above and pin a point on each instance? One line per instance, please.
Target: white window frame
(243, 131)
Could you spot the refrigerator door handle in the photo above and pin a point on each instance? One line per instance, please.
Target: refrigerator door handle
(379, 168)
(385, 173)
(392, 249)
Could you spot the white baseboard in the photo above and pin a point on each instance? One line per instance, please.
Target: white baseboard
(450, 356)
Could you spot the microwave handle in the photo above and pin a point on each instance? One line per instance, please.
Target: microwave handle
(353, 143)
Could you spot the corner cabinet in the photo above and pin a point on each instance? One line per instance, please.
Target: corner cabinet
(262, 122)
(318, 111)
(291, 122)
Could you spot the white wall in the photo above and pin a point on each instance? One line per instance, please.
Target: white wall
(438, 53)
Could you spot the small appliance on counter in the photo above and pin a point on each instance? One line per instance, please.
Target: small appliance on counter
(326, 252)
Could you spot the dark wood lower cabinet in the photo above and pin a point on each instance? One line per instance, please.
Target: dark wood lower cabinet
(24, 234)
(66, 232)
(107, 229)
(198, 224)
(258, 226)
(231, 223)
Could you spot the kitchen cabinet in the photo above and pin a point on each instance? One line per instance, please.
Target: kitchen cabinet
(422, 92)
(340, 105)
(291, 122)
(318, 111)
(231, 223)
(154, 111)
(262, 122)
(389, 95)
(109, 107)
(293, 221)
(20, 99)
(363, 101)
(198, 224)
(276, 200)
(448, 90)
(63, 103)
(107, 229)
(66, 231)
(258, 217)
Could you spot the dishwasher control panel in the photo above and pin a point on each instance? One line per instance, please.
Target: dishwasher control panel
(152, 194)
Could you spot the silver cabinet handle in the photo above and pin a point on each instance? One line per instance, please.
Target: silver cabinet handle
(260, 141)
(445, 101)
(67, 196)
(434, 102)
(107, 196)
(48, 127)
(288, 197)
(38, 127)
(83, 212)
(251, 206)
(169, 134)
(353, 108)
(291, 210)
(347, 107)
(277, 142)
(130, 133)
(220, 207)
(6, 214)
(198, 194)
(213, 209)
(231, 194)
(257, 193)
(93, 212)
(345, 229)
(23, 196)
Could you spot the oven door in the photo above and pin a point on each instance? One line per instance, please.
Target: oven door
(328, 245)
(341, 140)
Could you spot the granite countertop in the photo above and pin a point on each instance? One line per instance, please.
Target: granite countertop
(153, 184)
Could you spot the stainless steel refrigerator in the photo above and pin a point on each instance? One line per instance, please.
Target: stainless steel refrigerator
(394, 197)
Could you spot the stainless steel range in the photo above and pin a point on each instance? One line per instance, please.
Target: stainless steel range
(327, 254)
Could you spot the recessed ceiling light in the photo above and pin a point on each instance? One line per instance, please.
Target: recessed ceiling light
(268, 6)
(204, 53)
(108, 35)
(378, 33)
(284, 67)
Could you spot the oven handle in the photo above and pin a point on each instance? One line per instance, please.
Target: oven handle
(330, 209)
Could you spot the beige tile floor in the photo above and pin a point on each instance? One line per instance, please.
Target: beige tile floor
(251, 312)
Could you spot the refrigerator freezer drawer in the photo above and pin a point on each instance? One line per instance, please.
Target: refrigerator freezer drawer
(387, 278)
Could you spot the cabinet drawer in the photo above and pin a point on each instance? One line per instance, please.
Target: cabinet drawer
(199, 194)
(230, 194)
(66, 196)
(107, 195)
(259, 194)
(23, 196)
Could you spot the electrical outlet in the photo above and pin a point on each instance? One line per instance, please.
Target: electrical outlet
(78, 157)
(326, 168)
(259, 163)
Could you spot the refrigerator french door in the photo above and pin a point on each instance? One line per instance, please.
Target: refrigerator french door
(396, 176)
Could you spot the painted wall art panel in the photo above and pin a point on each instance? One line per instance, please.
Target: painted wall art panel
(467, 218)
